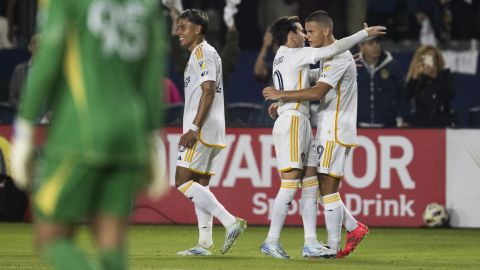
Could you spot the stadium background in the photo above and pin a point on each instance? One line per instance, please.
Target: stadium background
(419, 165)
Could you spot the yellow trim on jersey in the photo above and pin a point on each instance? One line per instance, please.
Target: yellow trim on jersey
(286, 169)
(208, 144)
(297, 120)
(292, 132)
(330, 153)
(47, 196)
(299, 87)
(74, 72)
(199, 53)
(336, 118)
(338, 177)
(200, 172)
(185, 188)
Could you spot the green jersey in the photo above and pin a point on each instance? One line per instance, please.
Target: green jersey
(98, 71)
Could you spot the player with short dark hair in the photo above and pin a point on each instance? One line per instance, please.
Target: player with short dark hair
(203, 133)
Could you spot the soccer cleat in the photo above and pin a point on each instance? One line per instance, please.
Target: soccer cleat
(232, 233)
(318, 251)
(196, 251)
(354, 238)
(274, 250)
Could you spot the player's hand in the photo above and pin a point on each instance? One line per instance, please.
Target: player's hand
(357, 58)
(21, 159)
(189, 139)
(375, 30)
(270, 93)
(273, 110)
(158, 169)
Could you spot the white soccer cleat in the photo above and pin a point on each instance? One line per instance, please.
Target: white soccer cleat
(318, 250)
(274, 250)
(196, 251)
(232, 233)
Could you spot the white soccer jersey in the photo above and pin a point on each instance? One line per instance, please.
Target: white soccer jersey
(205, 65)
(337, 112)
(291, 67)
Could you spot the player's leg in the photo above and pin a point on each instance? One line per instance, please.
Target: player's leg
(331, 168)
(112, 204)
(61, 199)
(289, 184)
(204, 219)
(308, 209)
(200, 160)
(288, 150)
(308, 205)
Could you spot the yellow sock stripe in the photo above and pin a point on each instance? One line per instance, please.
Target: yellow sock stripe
(289, 185)
(331, 199)
(186, 187)
(47, 196)
(310, 183)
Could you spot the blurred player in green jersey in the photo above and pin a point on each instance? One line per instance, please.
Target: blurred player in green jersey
(97, 72)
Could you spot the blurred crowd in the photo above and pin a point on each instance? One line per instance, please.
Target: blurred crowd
(389, 95)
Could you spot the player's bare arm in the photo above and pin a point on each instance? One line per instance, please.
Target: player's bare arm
(208, 94)
(312, 93)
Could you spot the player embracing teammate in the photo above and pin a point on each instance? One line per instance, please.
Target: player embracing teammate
(336, 133)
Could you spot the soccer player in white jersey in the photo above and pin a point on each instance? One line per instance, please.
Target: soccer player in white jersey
(292, 133)
(203, 133)
(336, 127)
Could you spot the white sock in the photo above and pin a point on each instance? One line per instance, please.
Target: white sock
(308, 208)
(349, 221)
(205, 224)
(205, 199)
(333, 219)
(280, 207)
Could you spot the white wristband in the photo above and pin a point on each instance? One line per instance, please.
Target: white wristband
(194, 127)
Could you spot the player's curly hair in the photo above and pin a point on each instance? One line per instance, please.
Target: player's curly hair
(196, 16)
(281, 27)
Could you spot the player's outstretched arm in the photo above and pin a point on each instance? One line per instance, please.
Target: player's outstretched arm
(346, 43)
(312, 93)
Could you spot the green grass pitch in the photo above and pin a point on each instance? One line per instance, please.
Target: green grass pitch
(154, 247)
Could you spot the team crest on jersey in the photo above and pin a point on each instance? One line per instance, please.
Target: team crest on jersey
(326, 67)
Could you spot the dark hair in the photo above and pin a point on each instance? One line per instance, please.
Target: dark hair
(281, 27)
(321, 17)
(196, 16)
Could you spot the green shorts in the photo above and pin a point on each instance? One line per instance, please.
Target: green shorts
(69, 191)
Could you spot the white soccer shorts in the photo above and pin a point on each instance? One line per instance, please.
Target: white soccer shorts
(199, 159)
(331, 157)
(293, 140)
